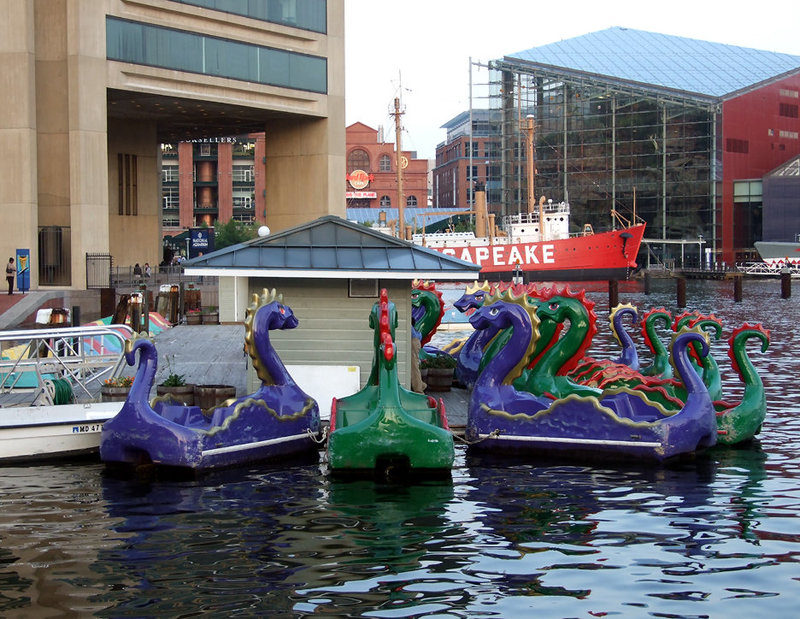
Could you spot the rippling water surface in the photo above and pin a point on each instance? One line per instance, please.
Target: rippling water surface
(715, 536)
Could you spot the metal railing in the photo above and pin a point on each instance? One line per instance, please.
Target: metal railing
(79, 358)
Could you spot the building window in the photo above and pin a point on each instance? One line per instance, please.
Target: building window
(303, 14)
(411, 201)
(747, 213)
(358, 159)
(737, 146)
(156, 46)
(170, 198)
(788, 109)
(386, 201)
(127, 186)
(242, 199)
(243, 173)
(385, 163)
(169, 174)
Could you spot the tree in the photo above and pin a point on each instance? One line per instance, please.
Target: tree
(232, 233)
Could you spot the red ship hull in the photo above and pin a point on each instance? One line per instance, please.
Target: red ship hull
(601, 256)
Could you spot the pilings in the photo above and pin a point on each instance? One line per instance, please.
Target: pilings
(613, 293)
(681, 292)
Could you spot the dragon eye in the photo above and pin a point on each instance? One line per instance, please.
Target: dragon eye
(494, 311)
(553, 305)
(282, 310)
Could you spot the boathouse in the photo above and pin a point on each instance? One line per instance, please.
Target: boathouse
(330, 272)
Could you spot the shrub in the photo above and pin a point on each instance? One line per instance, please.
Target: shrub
(437, 362)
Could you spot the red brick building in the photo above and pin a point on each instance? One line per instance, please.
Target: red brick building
(212, 180)
(372, 172)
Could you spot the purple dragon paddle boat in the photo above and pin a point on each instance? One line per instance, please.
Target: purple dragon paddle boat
(504, 419)
(278, 420)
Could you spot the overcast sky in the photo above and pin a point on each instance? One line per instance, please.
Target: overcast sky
(425, 46)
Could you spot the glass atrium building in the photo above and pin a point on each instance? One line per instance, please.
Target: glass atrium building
(675, 131)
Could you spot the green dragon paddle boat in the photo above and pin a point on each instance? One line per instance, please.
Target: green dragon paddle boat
(386, 430)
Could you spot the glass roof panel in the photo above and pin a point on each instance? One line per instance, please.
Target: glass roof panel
(679, 63)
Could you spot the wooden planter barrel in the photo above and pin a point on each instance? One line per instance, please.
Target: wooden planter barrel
(183, 394)
(114, 394)
(211, 318)
(439, 379)
(211, 396)
(194, 318)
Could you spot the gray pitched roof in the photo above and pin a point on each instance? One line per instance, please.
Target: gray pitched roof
(332, 247)
(675, 63)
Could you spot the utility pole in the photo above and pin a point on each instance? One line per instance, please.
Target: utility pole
(399, 157)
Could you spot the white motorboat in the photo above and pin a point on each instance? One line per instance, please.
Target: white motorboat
(50, 381)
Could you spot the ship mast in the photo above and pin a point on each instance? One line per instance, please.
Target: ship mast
(401, 225)
(529, 130)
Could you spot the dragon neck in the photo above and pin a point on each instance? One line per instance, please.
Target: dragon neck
(429, 320)
(742, 363)
(568, 347)
(680, 357)
(145, 372)
(270, 367)
(654, 343)
(509, 361)
(629, 356)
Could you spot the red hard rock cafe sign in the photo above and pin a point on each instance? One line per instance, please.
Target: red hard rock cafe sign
(359, 179)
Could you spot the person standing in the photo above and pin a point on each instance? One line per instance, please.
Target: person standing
(137, 272)
(147, 270)
(10, 271)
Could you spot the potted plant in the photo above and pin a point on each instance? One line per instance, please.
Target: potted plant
(439, 371)
(194, 317)
(210, 315)
(116, 389)
(175, 388)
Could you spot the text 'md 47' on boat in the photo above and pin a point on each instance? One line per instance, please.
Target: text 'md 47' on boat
(278, 420)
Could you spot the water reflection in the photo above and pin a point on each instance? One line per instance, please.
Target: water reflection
(715, 535)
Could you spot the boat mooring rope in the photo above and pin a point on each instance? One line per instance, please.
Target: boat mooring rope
(321, 439)
(492, 434)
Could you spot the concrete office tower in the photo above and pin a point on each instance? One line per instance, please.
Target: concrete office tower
(92, 88)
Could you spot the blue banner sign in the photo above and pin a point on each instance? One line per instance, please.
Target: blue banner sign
(201, 241)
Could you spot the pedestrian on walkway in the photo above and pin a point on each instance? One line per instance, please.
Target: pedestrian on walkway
(10, 271)
(137, 272)
(147, 270)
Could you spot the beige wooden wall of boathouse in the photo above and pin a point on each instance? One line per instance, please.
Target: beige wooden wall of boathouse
(333, 327)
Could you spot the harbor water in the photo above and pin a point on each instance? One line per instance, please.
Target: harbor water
(717, 535)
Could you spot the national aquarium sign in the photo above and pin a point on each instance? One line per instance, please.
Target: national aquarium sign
(201, 241)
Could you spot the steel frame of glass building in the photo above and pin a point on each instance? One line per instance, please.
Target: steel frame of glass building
(609, 145)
